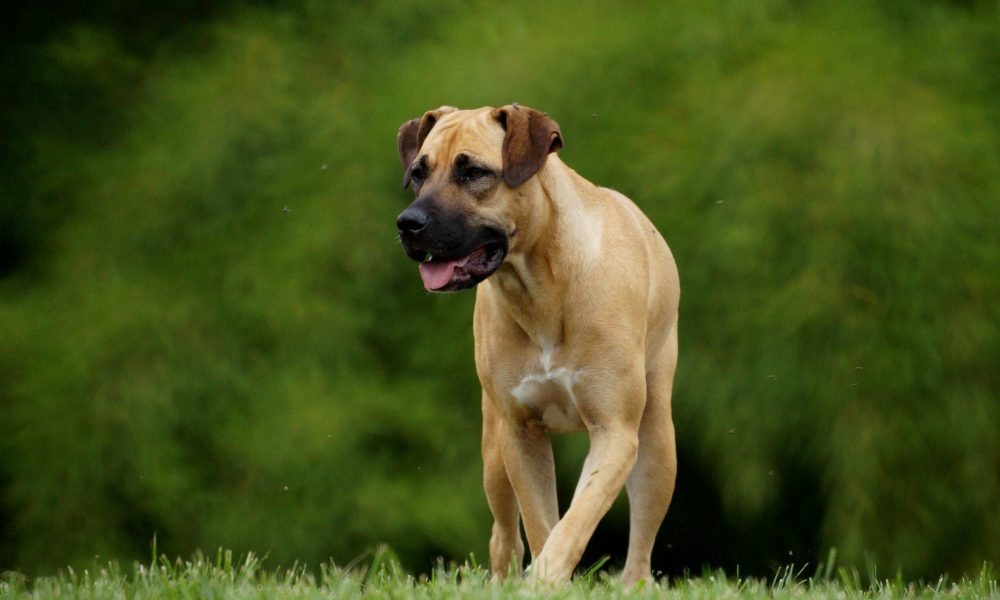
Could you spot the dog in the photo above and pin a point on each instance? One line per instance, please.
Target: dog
(575, 327)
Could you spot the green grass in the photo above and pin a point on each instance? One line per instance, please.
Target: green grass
(382, 577)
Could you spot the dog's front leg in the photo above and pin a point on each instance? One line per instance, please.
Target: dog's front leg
(527, 455)
(506, 547)
(612, 455)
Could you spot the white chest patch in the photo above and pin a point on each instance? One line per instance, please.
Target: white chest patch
(550, 392)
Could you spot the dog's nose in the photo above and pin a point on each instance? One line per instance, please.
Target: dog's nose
(411, 220)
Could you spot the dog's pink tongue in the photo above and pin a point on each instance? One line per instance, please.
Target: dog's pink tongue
(437, 274)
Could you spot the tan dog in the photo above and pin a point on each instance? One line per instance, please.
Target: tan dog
(575, 327)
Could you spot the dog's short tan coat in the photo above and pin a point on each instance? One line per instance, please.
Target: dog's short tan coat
(576, 330)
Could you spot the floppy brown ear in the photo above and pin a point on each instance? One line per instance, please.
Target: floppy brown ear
(406, 141)
(531, 136)
(412, 134)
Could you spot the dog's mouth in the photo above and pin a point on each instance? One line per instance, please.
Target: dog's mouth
(442, 274)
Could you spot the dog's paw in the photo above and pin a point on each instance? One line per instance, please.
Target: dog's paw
(545, 570)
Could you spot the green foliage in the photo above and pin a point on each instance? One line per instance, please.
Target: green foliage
(207, 329)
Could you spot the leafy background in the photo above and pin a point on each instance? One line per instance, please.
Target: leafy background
(209, 334)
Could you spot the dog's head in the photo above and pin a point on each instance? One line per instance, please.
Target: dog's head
(465, 167)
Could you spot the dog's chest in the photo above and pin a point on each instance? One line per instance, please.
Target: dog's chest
(549, 390)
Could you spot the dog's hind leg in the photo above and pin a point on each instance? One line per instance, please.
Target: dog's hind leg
(506, 547)
(651, 484)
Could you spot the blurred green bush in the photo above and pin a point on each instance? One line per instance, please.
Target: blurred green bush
(208, 332)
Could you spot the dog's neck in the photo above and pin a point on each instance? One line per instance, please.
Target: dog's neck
(560, 236)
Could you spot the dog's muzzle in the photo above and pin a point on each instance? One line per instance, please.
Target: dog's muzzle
(452, 256)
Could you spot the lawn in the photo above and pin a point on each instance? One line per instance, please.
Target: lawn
(380, 576)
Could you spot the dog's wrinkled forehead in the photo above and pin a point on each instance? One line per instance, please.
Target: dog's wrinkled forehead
(517, 137)
(474, 133)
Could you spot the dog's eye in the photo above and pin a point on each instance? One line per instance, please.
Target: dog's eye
(473, 173)
(417, 174)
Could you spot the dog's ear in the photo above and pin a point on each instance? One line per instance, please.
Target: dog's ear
(530, 137)
(412, 134)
